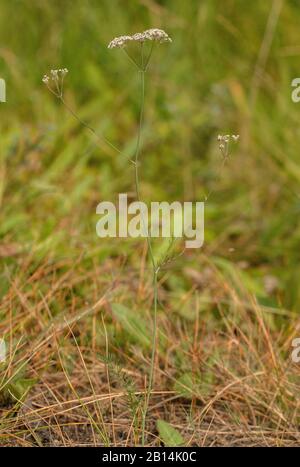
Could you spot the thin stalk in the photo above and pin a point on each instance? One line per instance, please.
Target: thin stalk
(142, 72)
(86, 125)
(153, 353)
(59, 94)
(149, 56)
(131, 59)
(137, 154)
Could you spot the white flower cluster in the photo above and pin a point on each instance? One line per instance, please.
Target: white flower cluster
(225, 139)
(55, 75)
(157, 35)
(119, 42)
(56, 78)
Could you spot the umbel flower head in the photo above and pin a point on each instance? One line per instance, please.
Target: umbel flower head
(55, 75)
(55, 80)
(224, 141)
(157, 35)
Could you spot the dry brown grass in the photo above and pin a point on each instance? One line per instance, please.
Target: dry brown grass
(242, 387)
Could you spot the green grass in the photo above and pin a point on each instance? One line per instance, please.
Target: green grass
(75, 309)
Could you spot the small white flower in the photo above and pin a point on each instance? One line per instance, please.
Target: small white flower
(139, 37)
(54, 74)
(235, 137)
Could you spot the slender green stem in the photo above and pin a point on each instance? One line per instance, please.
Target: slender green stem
(149, 56)
(131, 59)
(59, 94)
(86, 125)
(137, 154)
(142, 71)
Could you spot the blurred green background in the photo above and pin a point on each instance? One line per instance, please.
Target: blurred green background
(228, 70)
